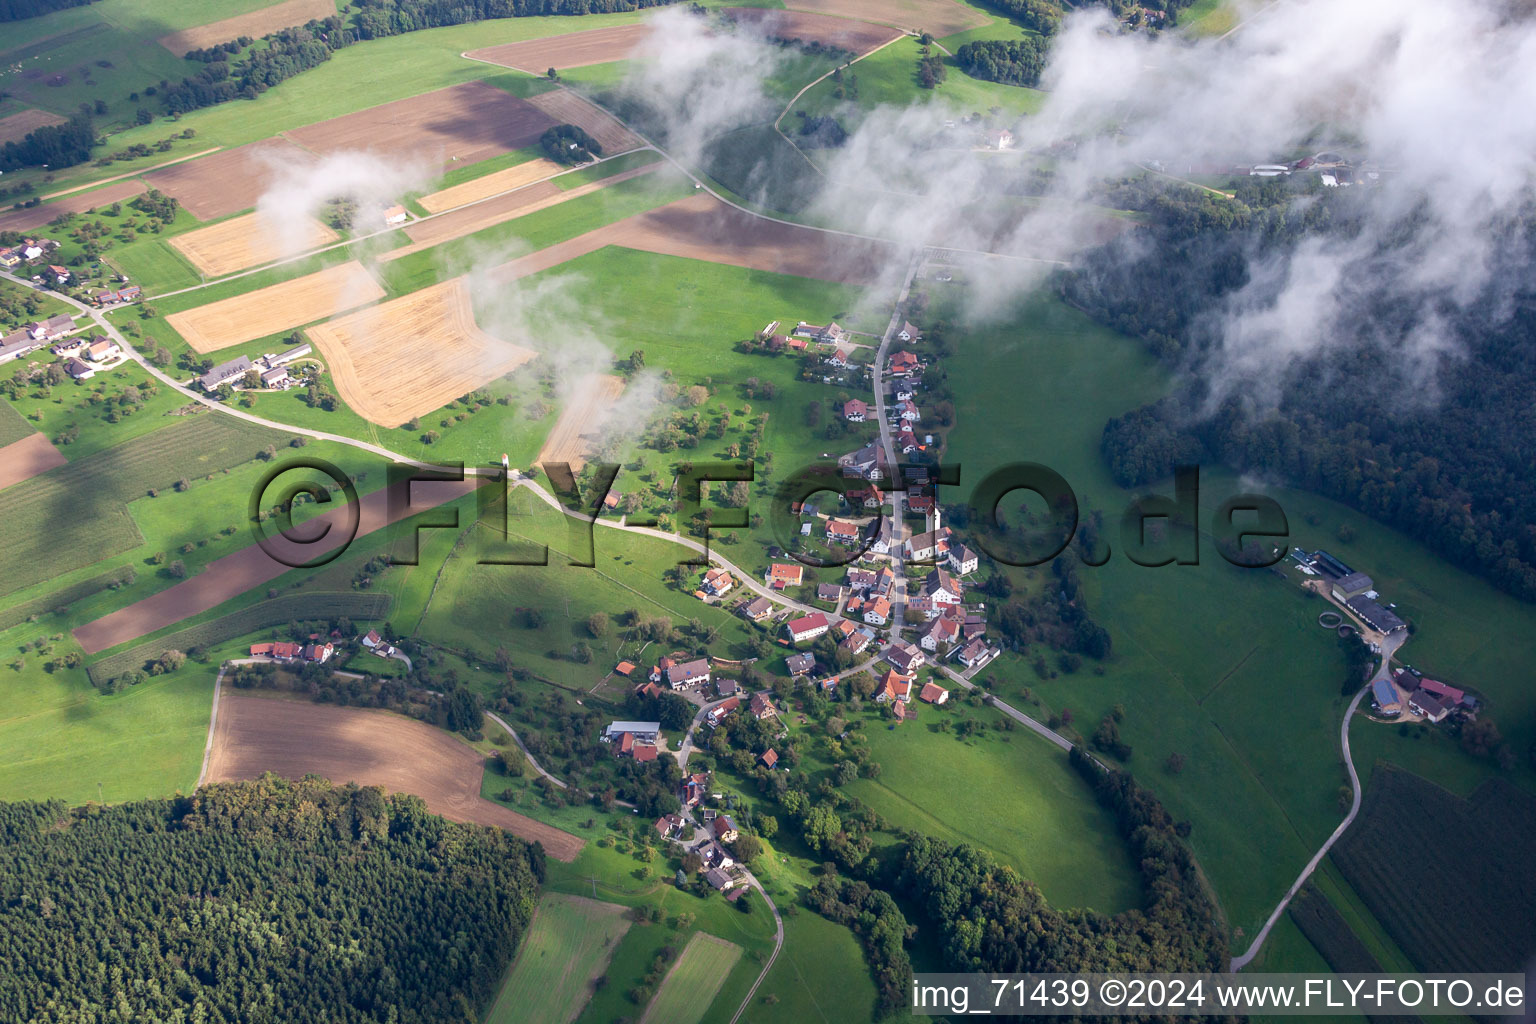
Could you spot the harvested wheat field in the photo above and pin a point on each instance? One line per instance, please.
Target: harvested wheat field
(17, 126)
(574, 50)
(424, 234)
(565, 107)
(255, 24)
(228, 181)
(293, 738)
(411, 355)
(469, 122)
(278, 307)
(36, 216)
(247, 241)
(703, 228)
(854, 36)
(940, 17)
(492, 184)
(581, 421)
(24, 459)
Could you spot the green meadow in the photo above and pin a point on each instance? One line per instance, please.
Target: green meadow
(570, 941)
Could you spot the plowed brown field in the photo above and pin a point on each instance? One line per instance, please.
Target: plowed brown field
(414, 354)
(468, 122)
(565, 107)
(574, 50)
(278, 307)
(856, 36)
(255, 24)
(17, 126)
(703, 228)
(24, 459)
(941, 17)
(291, 738)
(228, 181)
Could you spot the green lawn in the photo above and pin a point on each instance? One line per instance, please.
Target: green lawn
(22, 305)
(61, 738)
(84, 410)
(694, 981)
(820, 977)
(568, 944)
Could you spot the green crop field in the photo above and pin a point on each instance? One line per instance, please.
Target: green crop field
(690, 987)
(569, 944)
(1008, 792)
(12, 426)
(77, 515)
(1479, 916)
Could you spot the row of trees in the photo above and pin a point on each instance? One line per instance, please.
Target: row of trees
(272, 900)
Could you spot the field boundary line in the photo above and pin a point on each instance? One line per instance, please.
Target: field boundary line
(213, 724)
(126, 174)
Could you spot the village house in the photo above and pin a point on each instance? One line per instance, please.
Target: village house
(973, 653)
(907, 412)
(877, 612)
(855, 411)
(718, 879)
(725, 830)
(638, 740)
(671, 826)
(829, 592)
(800, 664)
(318, 653)
(904, 364)
(60, 274)
(781, 575)
(712, 853)
(932, 693)
(53, 327)
(689, 673)
(76, 369)
(649, 689)
(871, 497)
(941, 588)
(718, 582)
(939, 631)
(1422, 702)
(101, 351)
(868, 462)
(720, 712)
(962, 560)
(840, 531)
(757, 609)
(693, 789)
(904, 657)
(907, 332)
(279, 651)
(831, 334)
(841, 359)
(999, 138)
(727, 687)
(860, 580)
(894, 686)
(761, 706)
(807, 627)
(856, 641)
(907, 441)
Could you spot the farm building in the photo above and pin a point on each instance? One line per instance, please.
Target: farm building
(76, 369)
(1381, 619)
(933, 693)
(100, 351)
(1384, 696)
(225, 373)
(14, 346)
(1351, 586)
(769, 758)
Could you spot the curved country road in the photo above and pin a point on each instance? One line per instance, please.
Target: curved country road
(1239, 962)
(524, 748)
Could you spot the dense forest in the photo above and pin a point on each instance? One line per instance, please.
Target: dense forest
(53, 145)
(1435, 445)
(16, 10)
(1009, 61)
(377, 18)
(268, 900)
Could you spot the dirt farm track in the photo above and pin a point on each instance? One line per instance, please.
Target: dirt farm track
(293, 738)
